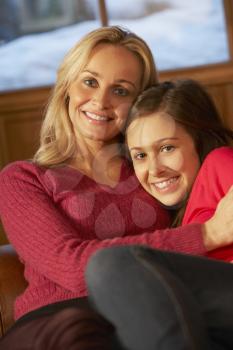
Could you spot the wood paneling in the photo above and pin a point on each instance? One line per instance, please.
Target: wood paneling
(223, 97)
(19, 136)
(3, 239)
(21, 113)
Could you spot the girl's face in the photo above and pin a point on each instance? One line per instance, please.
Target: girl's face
(100, 98)
(164, 157)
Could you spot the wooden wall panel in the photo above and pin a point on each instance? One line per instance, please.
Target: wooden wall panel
(3, 239)
(21, 113)
(21, 136)
(223, 97)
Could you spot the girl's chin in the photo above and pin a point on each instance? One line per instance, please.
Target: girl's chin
(172, 206)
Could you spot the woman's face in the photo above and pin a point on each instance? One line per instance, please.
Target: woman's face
(164, 157)
(100, 98)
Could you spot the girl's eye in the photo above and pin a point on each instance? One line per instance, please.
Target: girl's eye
(139, 156)
(121, 91)
(90, 82)
(167, 148)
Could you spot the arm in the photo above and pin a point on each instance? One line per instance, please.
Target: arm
(46, 240)
(212, 183)
(217, 231)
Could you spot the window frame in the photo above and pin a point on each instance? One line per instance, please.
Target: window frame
(217, 72)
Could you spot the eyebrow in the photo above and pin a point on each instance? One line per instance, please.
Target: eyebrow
(118, 81)
(155, 143)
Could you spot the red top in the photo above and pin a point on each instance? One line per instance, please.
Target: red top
(212, 183)
(57, 218)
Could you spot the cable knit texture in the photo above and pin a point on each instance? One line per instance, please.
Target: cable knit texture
(57, 218)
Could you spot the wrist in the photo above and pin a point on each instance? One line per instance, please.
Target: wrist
(209, 236)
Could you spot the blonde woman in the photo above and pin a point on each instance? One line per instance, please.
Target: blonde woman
(79, 194)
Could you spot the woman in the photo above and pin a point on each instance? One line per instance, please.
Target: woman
(79, 194)
(160, 300)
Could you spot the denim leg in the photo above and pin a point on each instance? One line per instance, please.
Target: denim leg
(150, 308)
(211, 284)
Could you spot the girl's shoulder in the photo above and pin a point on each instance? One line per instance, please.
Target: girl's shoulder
(220, 154)
(218, 162)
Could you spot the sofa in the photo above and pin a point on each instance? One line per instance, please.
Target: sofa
(12, 283)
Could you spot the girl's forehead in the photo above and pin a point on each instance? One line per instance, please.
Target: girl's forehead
(152, 128)
(154, 121)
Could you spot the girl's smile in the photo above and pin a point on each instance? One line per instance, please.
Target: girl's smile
(164, 157)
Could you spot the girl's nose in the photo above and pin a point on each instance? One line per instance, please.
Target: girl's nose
(155, 167)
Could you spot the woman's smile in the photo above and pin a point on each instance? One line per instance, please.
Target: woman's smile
(102, 94)
(97, 118)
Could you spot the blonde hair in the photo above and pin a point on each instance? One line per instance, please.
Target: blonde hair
(57, 140)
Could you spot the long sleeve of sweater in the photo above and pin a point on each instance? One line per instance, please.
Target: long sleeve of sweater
(47, 240)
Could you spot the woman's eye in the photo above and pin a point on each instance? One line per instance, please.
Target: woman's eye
(139, 156)
(167, 148)
(90, 82)
(121, 91)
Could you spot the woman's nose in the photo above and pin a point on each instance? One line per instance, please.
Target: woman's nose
(101, 98)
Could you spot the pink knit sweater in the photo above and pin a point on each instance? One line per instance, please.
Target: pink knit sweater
(57, 218)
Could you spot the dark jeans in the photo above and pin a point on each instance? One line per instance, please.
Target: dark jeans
(163, 301)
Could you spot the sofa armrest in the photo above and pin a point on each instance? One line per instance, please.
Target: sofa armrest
(12, 283)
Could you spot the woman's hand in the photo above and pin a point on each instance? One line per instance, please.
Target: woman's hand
(218, 231)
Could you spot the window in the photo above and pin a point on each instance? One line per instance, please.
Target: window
(180, 33)
(35, 35)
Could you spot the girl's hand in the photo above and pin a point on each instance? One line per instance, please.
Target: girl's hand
(218, 231)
